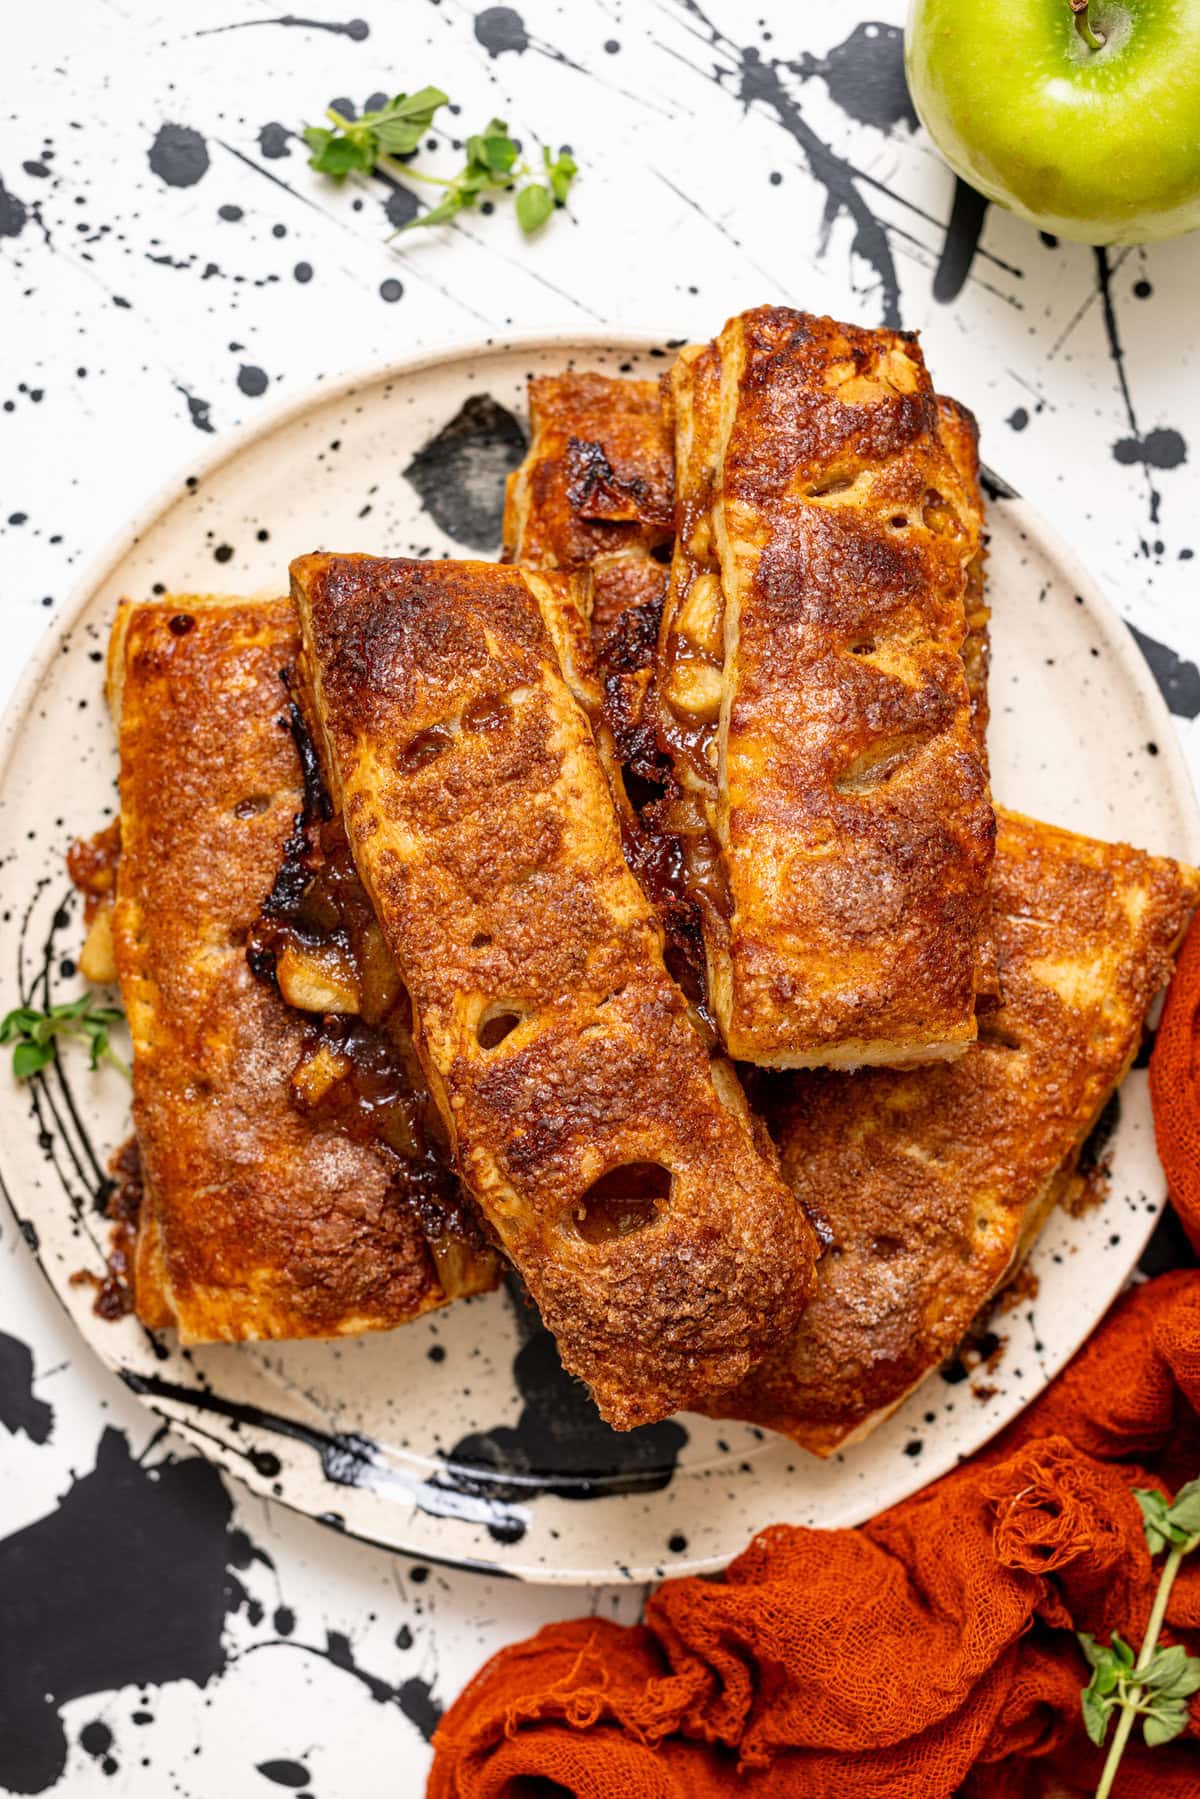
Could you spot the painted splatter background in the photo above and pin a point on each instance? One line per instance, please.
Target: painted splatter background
(168, 265)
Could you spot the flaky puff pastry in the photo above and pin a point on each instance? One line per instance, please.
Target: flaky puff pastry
(931, 1184)
(256, 1221)
(615, 1166)
(815, 697)
(595, 488)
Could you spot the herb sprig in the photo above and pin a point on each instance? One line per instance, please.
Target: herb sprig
(493, 160)
(1157, 1684)
(34, 1034)
(394, 130)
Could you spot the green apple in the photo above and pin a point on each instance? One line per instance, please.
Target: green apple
(1085, 119)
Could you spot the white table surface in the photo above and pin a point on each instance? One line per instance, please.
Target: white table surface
(731, 154)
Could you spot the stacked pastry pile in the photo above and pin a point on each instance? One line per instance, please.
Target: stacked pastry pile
(486, 954)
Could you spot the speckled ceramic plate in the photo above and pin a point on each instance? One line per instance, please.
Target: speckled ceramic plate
(459, 1437)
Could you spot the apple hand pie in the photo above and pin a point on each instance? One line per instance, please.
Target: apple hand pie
(616, 1167)
(595, 489)
(930, 1185)
(264, 1212)
(814, 697)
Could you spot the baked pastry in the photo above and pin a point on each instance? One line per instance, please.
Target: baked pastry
(260, 1218)
(616, 1167)
(814, 697)
(959, 431)
(595, 489)
(930, 1185)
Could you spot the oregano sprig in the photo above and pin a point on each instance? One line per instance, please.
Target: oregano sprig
(393, 130)
(1157, 1684)
(33, 1034)
(493, 160)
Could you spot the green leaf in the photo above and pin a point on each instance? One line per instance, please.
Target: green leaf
(1095, 1715)
(340, 155)
(1186, 1683)
(440, 214)
(1164, 1722)
(1094, 1651)
(1166, 1665)
(1121, 1649)
(1154, 1518)
(560, 172)
(400, 127)
(398, 137)
(492, 150)
(1184, 1511)
(534, 206)
(28, 1058)
(18, 1023)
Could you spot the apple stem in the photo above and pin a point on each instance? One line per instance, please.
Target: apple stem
(1095, 40)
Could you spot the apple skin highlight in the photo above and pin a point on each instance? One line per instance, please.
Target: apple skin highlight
(1098, 145)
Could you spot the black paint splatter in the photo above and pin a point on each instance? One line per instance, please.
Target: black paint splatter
(1179, 681)
(414, 1697)
(865, 76)
(759, 80)
(459, 475)
(284, 1773)
(501, 28)
(252, 380)
(13, 213)
(122, 1585)
(179, 156)
(357, 30)
(401, 204)
(1160, 448)
(1116, 351)
(20, 1408)
(198, 410)
(967, 213)
(273, 141)
(560, 1444)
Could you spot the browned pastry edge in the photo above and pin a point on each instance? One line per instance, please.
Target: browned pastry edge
(256, 1221)
(930, 1185)
(478, 811)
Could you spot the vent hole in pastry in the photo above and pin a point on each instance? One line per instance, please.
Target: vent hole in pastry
(622, 1201)
(662, 552)
(488, 713)
(994, 1036)
(253, 806)
(836, 484)
(425, 747)
(865, 647)
(899, 521)
(877, 765)
(481, 940)
(497, 1023)
(886, 1247)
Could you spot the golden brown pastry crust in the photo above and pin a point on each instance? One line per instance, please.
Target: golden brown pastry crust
(595, 488)
(256, 1222)
(931, 1183)
(960, 433)
(478, 811)
(811, 647)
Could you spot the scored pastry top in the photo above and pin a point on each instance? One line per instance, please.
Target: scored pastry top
(815, 696)
(930, 1184)
(616, 1165)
